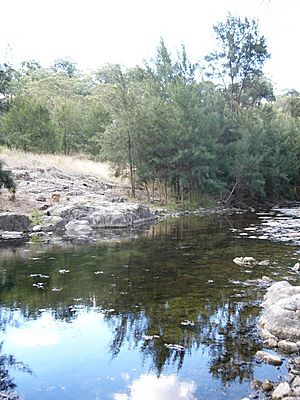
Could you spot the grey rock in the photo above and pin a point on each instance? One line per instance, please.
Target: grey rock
(78, 228)
(106, 214)
(296, 267)
(268, 358)
(282, 390)
(288, 347)
(244, 261)
(270, 343)
(296, 382)
(37, 228)
(14, 222)
(12, 235)
(281, 316)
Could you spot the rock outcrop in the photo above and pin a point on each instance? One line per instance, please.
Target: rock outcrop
(281, 317)
(14, 222)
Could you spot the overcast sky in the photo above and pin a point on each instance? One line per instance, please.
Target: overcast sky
(94, 32)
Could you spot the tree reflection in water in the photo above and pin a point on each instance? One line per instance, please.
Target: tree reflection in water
(146, 288)
(8, 361)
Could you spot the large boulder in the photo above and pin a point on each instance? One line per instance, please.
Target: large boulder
(120, 216)
(106, 214)
(78, 228)
(281, 316)
(14, 222)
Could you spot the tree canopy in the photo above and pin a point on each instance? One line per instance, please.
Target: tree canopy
(224, 135)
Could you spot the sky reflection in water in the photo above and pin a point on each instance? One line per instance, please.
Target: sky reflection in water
(106, 336)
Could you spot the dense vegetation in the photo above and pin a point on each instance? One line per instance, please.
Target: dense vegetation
(189, 130)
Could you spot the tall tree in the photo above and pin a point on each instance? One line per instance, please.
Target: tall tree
(238, 62)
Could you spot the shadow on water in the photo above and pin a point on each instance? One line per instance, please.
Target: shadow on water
(173, 295)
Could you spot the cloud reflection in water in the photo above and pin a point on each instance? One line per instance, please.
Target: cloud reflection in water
(150, 387)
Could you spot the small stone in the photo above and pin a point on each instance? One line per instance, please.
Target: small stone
(296, 382)
(267, 386)
(296, 267)
(282, 390)
(36, 228)
(244, 261)
(270, 343)
(41, 198)
(11, 235)
(288, 347)
(264, 263)
(263, 356)
(266, 334)
(267, 279)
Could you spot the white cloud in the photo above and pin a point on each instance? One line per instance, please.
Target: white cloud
(150, 387)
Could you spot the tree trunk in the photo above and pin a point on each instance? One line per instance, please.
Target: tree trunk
(131, 166)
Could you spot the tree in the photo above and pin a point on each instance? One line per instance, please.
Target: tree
(6, 179)
(7, 74)
(65, 66)
(119, 96)
(238, 62)
(28, 126)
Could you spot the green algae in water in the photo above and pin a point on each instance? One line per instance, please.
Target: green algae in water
(168, 314)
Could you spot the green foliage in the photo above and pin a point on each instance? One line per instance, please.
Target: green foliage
(28, 126)
(238, 62)
(6, 179)
(36, 217)
(183, 139)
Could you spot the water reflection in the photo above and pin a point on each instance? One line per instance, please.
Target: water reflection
(125, 307)
(151, 387)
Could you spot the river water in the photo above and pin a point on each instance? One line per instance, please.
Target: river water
(165, 315)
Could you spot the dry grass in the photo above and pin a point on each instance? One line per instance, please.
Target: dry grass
(68, 164)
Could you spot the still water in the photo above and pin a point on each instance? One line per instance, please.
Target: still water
(164, 316)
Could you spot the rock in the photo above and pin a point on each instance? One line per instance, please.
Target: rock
(270, 343)
(267, 279)
(265, 334)
(78, 228)
(288, 347)
(267, 385)
(14, 222)
(296, 267)
(41, 198)
(264, 263)
(263, 356)
(36, 228)
(53, 223)
(12, 235)
(281, 316)
(244, 261)
(296, 382)
(282, 390)
(21, 175)
(106, 214)
(296, 393)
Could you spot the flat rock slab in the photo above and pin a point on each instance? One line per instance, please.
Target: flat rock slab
(105, 215)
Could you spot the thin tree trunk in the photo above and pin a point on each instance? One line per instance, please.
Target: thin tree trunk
(131, 166)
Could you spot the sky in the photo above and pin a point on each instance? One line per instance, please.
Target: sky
(95, 32)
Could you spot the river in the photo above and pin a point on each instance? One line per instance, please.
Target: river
(165, 315)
